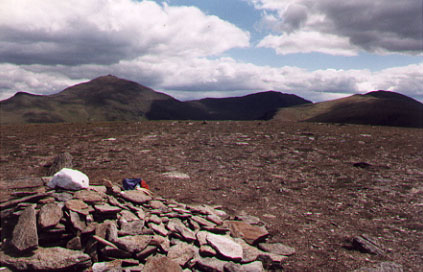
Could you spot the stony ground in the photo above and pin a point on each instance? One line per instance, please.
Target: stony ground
(315, 185)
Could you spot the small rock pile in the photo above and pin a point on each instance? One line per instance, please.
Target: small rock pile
(105, 229)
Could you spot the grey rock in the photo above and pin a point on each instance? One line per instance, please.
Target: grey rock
(107, 209)
(136, 196)
(250, 233)
(249, 253)
(277, 248)
(25, 236)
(49, 215)
(226, 246)
(131, 228)
(62, 196)
(111, 252)
(77, 222)
(181, 253)
(107, 230)
(201, 237)
(49, 259)
(159, 229)
(78, 206)
(62, 160)
(209, 264)
(156, 204)
(149, 250)
(162, 242)
(74, 243)
(253, 267)
(89, 196)
(367, 244)
(113, 266)
(233, 267)
(162, 264)
(207, 251)
(133, 244)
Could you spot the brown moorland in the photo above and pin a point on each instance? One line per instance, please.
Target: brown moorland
(314, 185)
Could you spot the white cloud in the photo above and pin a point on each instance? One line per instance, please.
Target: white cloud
(378, 26)
(307, 42)
(200, 77)
(76, 32)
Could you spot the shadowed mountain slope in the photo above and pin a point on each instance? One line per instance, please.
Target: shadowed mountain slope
(109, 98)
(259, 106)
(374, 108)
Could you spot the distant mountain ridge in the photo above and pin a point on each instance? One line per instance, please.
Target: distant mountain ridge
(109, 98)
(383, 108)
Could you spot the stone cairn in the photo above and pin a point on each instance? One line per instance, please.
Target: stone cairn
(105, 229)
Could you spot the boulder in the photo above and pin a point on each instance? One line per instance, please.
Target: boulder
(69, 179)
(133, 244)
(181, 253)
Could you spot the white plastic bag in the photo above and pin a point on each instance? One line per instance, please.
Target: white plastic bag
(69, 179)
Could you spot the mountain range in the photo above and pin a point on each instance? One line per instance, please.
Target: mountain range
(109, 98)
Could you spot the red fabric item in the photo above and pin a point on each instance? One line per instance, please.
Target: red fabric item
(144, 185)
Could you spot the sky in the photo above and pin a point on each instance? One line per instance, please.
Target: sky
(191, 49)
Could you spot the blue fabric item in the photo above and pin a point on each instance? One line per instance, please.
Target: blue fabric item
(130, 183)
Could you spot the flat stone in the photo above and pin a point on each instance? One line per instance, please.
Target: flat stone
(253, 267)
(252, 220)
(159, 229)
(149, 250)
(181, 253)
(133, 244)
(367, 244)
(162, 242)
(62, 196)
(102, 189)
(113, 266)
(156, 204)
(127, 216)
(89, 196)
(74, 243)
(207, 251)
(107, 209)
(136, 196)
(271, 261)
(226, 246)
(176, 225)
(25, 236)
(77, 222)
(49, 259)
(249, 253)
(49, 215)
(232, 267)
(277, 248)
(201, 237)
(78, 206)
(162, 264)
(209, 264)
(250, 233)
(215, 219)
(131, 228)
(154, 219)
(203, 222)
(107, 230)
(115, 253)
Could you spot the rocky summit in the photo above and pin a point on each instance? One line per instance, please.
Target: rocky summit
(103, 228)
